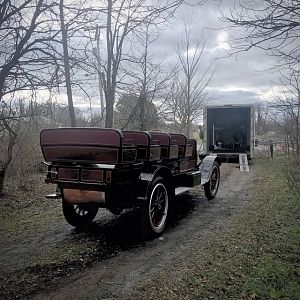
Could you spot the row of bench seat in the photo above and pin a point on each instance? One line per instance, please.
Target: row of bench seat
(114, 146)
(153, 146)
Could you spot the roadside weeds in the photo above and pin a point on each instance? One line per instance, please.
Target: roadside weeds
(255, 257)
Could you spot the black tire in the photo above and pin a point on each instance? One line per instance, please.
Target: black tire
(155, 211)
(79, 215)
(212, 186)
(115, 210)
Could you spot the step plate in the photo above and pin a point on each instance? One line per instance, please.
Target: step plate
(181, 189)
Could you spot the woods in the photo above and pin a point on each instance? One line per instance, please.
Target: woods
(90, 63)
(273, 26)
(78, 51)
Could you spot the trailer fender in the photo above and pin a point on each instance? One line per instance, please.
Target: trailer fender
(147, 176)
(207, 166)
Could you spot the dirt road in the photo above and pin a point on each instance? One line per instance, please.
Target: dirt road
(108, 260)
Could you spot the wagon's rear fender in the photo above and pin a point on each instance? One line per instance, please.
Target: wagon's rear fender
(147, 176)
(207, 166)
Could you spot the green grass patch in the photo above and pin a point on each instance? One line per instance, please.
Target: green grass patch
(255, 257)
(25, 211)
(18, 222)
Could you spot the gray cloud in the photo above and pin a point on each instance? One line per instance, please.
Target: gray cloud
(232, 97)
(247, 72)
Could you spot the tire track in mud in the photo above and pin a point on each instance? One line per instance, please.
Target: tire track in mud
(193, 220)
(23, 251)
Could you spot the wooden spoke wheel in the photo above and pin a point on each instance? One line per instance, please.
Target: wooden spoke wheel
(154, 213)
(212, 186)
(79, 215)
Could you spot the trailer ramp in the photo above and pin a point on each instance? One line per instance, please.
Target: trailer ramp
(244, 167)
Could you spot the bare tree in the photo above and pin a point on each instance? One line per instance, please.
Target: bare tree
(14, 114)
(26, 53)
(76, 19)
(97, 65)
(69, 19)
(185, 102)
(272, 25)
(287, 116)
(127, 114)
(64, 35)
(27, 58)
(287, 106)
(148, 79)
(262, 113)
(124, 19)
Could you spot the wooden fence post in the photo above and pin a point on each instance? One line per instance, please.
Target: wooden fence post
(271, 149)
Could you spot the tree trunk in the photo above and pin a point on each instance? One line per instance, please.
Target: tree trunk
(67, 64)
(109, 93)
(98, 57)
(109, 110)
(100, 86)
(9, 153)
(188, 127)
(297, 125)
(188, 131)
(142, 100)
(2, 177)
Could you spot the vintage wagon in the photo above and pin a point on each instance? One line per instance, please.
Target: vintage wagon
(116, 169)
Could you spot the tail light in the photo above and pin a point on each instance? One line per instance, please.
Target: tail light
(92, 175)
(84, 175)
(68, 174)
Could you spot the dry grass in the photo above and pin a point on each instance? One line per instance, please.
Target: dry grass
(256, 257)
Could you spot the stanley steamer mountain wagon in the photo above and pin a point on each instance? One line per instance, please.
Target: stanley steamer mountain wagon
(115, 169)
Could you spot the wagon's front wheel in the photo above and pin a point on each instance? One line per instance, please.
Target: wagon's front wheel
(212, 186)
(79, 215)
(154, 212)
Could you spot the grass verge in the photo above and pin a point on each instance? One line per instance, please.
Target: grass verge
(255, 257)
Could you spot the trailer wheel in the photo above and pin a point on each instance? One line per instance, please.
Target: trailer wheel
(79, 215)
(154, 212)
(212, 186)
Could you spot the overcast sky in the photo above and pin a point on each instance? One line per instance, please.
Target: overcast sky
(239, 79)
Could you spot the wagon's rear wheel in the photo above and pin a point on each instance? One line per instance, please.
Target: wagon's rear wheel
(79, 215)
(154, 212)
(212, 186)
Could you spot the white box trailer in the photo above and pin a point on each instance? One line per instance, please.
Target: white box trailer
(229, 130)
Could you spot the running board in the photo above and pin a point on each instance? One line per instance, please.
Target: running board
(244, 167)
(181, 189)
